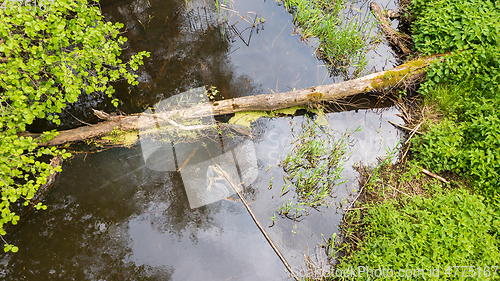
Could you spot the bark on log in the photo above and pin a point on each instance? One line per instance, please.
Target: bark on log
(391, 35)
(266, 102)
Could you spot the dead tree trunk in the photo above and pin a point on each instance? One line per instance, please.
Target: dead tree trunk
(392, 36)
(266, 102)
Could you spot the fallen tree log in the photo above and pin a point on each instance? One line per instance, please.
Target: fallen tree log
(309, 96)
(391, 35)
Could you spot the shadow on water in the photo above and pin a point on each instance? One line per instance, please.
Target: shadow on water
(113, 218)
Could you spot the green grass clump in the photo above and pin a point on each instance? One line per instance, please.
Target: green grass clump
(449, 229)
(343, 39)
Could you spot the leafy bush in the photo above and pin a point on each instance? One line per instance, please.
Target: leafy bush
(49, 54)
(468, 28)
(467, 141)
(479, 67)
(448, 230)
(467, 81)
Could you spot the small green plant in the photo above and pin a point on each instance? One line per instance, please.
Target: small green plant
(222, 16)
(10, 247)
(211, 92)
(149, 20)
(291, 209)
(391, 152)
(273, 218)
(312, 169)
(330, 245)
(115, 134)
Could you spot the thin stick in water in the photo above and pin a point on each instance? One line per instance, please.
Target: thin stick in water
(283, 260)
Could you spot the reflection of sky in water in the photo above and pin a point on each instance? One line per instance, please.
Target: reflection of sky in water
(236, 249)
(208, 167)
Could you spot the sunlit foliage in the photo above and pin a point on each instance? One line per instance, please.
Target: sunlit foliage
(50, 53)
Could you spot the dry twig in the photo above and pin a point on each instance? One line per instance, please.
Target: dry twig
(427, 172)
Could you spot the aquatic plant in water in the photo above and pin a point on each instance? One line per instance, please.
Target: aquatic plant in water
(312, 168)
(344, 36)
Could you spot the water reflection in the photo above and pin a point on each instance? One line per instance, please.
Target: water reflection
(138, 224)
(112, 218)
(211, 168)
(189, 47)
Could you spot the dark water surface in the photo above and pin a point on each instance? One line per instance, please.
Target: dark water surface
(111, 217)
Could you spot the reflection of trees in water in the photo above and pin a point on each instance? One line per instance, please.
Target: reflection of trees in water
(73, 244)
(85, 233)
(167, 208)
(188, 49)
(143, 194)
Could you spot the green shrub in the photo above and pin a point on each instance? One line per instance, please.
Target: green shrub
(466, 84)
(451, 229)
(478, 67)
(49, 55)
(466, 142)
(470, 29)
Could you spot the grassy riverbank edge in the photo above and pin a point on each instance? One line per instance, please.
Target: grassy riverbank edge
(405, 224)
(405, 219)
